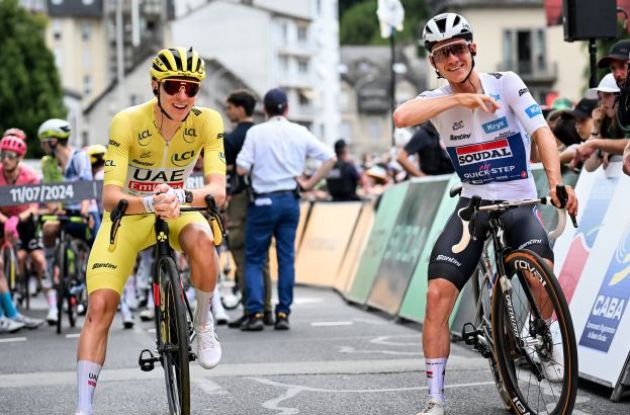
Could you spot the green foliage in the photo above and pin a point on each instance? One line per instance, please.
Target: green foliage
(359, 24)
(30, 90)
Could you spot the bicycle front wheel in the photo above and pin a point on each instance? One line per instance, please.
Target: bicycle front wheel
(61, 287)
(173, 343)
(534, 338)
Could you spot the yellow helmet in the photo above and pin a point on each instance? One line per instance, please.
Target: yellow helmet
(95, 152)
(178, 62)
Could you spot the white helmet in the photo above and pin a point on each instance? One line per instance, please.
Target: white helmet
(445, 26)
(54, 128)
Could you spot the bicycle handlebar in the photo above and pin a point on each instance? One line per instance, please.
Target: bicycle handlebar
(211, 207)
(468, 214)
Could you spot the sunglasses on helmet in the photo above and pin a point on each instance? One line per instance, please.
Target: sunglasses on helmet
(442, 53)
(173, 86)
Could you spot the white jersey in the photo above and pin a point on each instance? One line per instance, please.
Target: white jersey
(490, 152)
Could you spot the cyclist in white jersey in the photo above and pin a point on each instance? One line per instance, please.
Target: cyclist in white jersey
(487, 122)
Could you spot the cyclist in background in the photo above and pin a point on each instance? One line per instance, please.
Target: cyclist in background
(19, 222)
(487, 122)
(64, 163)
(151, 152)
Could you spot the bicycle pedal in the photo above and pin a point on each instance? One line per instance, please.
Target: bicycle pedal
(147, 364)
(470, 333)
(192, 356)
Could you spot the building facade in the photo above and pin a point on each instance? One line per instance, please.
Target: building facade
(289, 44)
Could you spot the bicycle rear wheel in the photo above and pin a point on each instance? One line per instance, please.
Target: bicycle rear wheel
(10, 267)
(173, 340)
(539, 366)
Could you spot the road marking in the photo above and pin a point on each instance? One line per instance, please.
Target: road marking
(382, 390)
(372, 321)
(13, 340)
(210, 387)
(293, 390)
(352, 350)
(72, 336)
(331, 323)
(151, 331)
(383, 340)
(307, 300)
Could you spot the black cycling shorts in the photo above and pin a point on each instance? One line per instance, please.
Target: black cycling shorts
(30, 236)
(522, 229)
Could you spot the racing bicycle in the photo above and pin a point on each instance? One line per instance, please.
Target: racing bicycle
(522, 321)
(173, 313)
(70, 266)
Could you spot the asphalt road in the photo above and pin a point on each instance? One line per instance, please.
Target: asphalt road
(336, 359)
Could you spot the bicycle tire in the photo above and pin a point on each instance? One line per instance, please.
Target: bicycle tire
(516, 367)
(173, 340)
(8, 259)
(25, 294)
(484, 318)
(82, 253)
(61, 283)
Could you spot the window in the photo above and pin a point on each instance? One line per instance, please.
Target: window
(302, 34)
(87, 85)
(524, 51)
(56, 29)
(285, 32)
(87, 59)
(303, 66)
(540, 46)
(303, 100)
(86, 31)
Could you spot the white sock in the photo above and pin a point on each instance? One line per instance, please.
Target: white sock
(52, 298)
(435, 370)
(87, 376)
(202, 313)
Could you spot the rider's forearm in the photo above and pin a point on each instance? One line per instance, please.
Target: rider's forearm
(112, 194)
(548, 155)
(417, 111)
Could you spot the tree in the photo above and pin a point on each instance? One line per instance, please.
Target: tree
(359, 24)
(30, 90)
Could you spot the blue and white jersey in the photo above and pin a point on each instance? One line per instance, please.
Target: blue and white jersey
(78, 168)
(490, 152)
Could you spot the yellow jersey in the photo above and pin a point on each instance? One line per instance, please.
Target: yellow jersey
(138, 158)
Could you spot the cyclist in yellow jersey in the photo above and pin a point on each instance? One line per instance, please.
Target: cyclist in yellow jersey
(152, 149)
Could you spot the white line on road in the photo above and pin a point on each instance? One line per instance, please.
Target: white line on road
(408, 388)
(151, 331)
(352, 350)
(13, 340)
(331, 323)
(387, 340)
(72, 336)
(294, 390)
(208, 386)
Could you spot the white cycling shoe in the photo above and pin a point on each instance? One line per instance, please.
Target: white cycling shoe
(9, 326)
(53, 316)
(208, 347)
(434, 407)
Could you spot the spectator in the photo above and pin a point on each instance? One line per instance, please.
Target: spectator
(431, 155)
(582, 114)
(617, 60)
(240, 109)
(274, 154)
(344, 177)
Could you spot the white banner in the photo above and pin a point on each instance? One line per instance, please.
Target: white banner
(593, 267)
